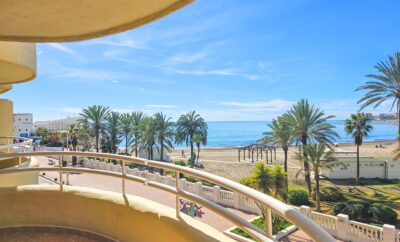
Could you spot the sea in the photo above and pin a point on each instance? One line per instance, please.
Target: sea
(241, 133)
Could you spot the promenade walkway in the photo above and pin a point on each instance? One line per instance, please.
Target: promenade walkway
(134, 188)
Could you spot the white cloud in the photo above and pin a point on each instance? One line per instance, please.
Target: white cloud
(276, 104)
(124, 42)
(65, 49)
(219, 72)
(159, 106)
(114, 81)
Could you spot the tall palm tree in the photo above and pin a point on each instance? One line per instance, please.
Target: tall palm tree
(187, 126)
(319, 158)
(309, 125)
(73, 132)
(385, 86)
(138, 118)
(358, 127)
(164, 133)
(84, 134)
(95, 116)
(280, 135)
(126, 127)
(112, 131)
(198, 139)
(148, 138)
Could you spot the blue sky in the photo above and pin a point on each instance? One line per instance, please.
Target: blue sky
(229, 60)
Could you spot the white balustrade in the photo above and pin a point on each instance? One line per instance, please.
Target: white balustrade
(339, 226)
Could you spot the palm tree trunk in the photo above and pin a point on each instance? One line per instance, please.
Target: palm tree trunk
(358, 165)
(285, 151)
(317, 198)
(398, 119)
(162, 151)
(126, 145)
(307, 177)
(191, 146)
(198, 151)
(97, 141)
(136, 148)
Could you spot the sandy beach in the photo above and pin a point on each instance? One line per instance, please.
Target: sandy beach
(224, 161)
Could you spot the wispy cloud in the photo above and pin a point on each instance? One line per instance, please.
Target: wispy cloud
(124, 42)
(219, 72)
(65, 49)
(159, 106)
(71, 110)
(276, 104)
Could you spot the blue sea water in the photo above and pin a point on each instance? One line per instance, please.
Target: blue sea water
(240, 133)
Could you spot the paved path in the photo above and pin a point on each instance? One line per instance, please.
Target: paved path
(138, 189)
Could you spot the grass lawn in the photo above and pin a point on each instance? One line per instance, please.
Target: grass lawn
(278, 225)
(378, 191)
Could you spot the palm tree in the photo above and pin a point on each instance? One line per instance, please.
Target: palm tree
(319, 158)
(95, 116)
(384, 86)
(358, 126)
(261, 178)
(164, 133)
(187, 126)
(280, 135)
(148, 136)
(309, 125)
(198, 139)
(84, 134)
(126, 127)
(137, 118)
(112, 131)
(73, 132)
(279, 181)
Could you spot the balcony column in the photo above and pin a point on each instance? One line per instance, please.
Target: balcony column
(389, 233)
(6, 121)
(342, 225)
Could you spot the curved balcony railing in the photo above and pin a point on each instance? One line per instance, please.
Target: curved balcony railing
(268, 203)
(15, 144)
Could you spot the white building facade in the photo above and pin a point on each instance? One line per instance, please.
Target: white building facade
(385, 169)
(23, 124)
(56, 125)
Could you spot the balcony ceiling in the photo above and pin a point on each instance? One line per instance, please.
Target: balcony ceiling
(17, 63)
(74, 20)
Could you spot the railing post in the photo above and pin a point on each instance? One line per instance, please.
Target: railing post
(389, 233)
(182, 183)
(60, 159)
(177, 205)
(215, 194)
(306, 211)
(198, 188)
(20, 160)
(268, 222)
(342, 226)
(123, 176)
(236, 198)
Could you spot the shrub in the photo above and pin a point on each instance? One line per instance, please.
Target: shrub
(180, 163)
(298, 197)
(247, 181)
(383, 214)
(278, 224)
(366, 212)
(64, 163)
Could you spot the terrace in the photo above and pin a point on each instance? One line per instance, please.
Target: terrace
(102, 202)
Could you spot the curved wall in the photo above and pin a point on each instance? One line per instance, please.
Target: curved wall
(124, 218)
(22, 178)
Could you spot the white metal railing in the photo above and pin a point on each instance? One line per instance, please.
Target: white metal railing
(15, 144)
(306, 224)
